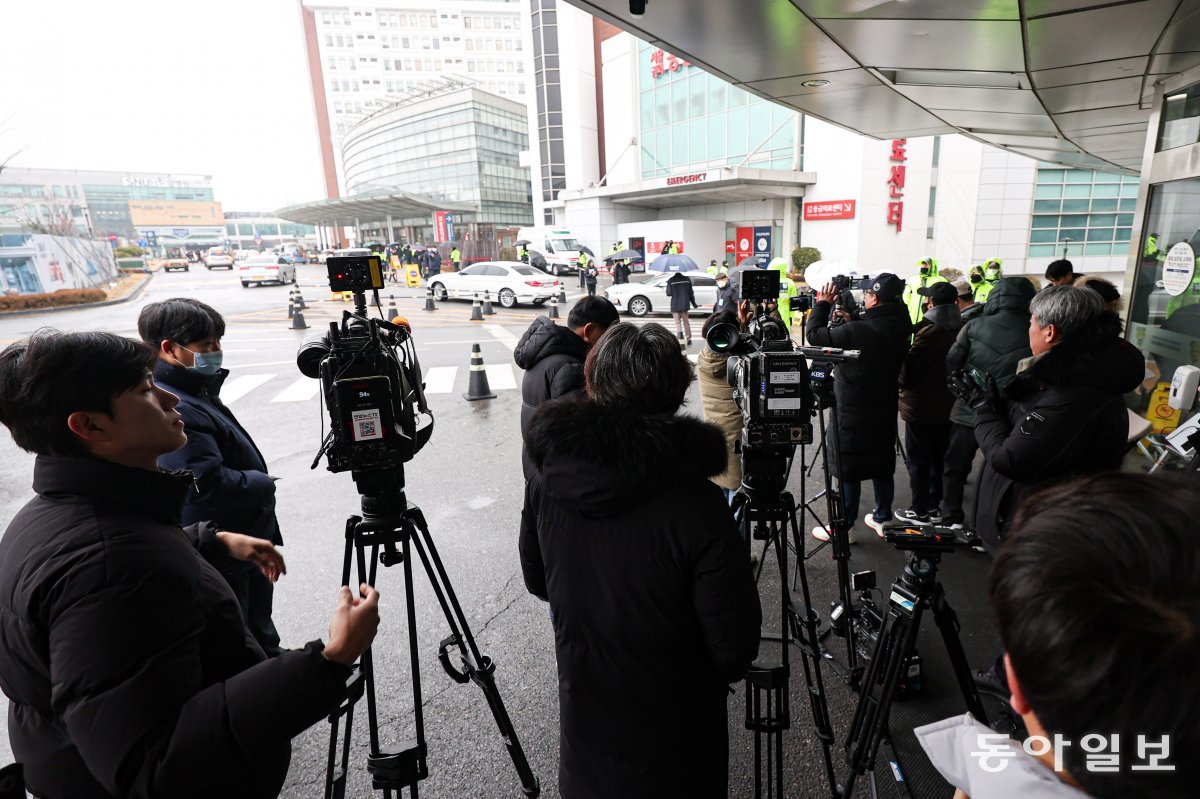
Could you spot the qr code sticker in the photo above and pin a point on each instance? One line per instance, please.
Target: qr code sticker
(365, 425)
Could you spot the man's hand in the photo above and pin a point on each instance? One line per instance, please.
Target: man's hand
(353, 626)
(254, 550)
(828, 294)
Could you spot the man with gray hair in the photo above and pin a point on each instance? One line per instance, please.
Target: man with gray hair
(1062, 416)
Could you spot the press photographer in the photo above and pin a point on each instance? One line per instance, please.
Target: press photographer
(125, 657)
(866, 391)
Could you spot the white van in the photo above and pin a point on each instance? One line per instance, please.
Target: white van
(557, 245)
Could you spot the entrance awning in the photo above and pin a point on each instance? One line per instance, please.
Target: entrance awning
(1067, 81)
(721, 185)
(368, 207)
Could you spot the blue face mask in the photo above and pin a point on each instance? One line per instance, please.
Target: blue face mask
(206, 363)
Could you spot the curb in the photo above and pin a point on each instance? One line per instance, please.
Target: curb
(133, 295)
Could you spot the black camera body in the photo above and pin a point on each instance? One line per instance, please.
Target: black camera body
(370, 380)
(867, 619)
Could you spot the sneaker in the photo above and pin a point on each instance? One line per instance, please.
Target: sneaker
(821, 534)
(877, 526)
(935, 517)
(910, 516)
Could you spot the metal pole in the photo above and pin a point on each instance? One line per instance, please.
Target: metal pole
(390, 235)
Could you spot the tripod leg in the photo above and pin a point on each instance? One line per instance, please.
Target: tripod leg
(335, 773)
(476, 666)
(947, 622)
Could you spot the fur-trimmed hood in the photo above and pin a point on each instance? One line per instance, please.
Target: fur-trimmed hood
(604, 459)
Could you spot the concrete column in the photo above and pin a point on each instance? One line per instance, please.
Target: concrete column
(390, 234)
(357, 232)
(791, 227)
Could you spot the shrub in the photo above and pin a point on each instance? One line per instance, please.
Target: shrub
(508, 253)
(56, 299)
(802, 258)
(130, 252)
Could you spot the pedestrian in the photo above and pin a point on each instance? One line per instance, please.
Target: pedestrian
(717, 403)
(1105, 288)
(925, 402)
(582, 263)
(967, 307)
(992, 343)
(1063, 414)
(456, 259)
(927, 275)
(435, 260)
(590, 275)
(866, 392)
(232, 485)
(727, 295)
(991, 276)
(1060, 273)
(787, 290)
(552, 356)
(125, 659)
(637, 552)
(683, 298)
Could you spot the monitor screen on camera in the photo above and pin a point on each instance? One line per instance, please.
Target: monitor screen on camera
(760, 284)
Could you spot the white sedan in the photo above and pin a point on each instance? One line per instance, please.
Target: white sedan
(650, 296)
(266, 268)
(507, 282)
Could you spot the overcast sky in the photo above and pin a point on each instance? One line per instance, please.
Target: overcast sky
(214, 87)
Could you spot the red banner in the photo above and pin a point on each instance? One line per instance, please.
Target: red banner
(829, 209)
(439, 226)
(743, 243)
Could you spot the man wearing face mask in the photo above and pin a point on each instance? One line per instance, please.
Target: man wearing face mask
(927, 275)
(991, 276)
(232, 486)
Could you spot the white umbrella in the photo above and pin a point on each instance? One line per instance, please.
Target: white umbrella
(819, 273)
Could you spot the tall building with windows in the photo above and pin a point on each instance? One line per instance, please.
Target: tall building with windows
(364, 57)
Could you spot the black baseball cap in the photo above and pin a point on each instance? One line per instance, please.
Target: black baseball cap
(886, 286)
(940, 293)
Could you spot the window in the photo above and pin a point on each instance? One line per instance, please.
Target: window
(1082, 222)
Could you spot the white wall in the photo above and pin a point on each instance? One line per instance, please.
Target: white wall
(576, 46)
(836, 155)
(957, 201)
(621, 112)
(1006, 183)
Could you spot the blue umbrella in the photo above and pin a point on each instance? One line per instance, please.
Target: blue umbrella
(673, 262)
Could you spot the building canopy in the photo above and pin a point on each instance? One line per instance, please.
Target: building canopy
(375, 206)
(1066, 81)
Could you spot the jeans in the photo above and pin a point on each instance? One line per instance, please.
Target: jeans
(960, 457)
(683, 324)
(885, 490)
(591, 288)
(925, 446)
(582, 278)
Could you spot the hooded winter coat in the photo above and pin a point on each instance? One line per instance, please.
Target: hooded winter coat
(1063, 417)
(866, 389)
(994, 342)
(129, 669)
(716, 397)
(924, 397)
(652, 597)
(683, 295)
(552, 357)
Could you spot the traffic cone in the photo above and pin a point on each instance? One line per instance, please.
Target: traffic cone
(291, 305)
(429, 306)
(392, 313)
(553, 309)
(298, 322)
(375, 303)
(487, 305)
(300, 306)
(478, 388)
(562, 293)
(476, 311)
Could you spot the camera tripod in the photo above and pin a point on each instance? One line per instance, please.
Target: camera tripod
(916, 591)
(388, 519)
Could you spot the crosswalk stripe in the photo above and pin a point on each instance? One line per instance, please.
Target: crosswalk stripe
(500, 376)
(440, 379)
(503, 336)
(240, 386)
(303, 389)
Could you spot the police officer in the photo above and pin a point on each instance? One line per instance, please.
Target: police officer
(991, 276)
(584, 260)
(927, 275)
(787, 290)
(523, 253)
(456, 259)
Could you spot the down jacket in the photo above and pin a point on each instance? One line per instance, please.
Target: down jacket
(552, 357)
(866, 388)
(1062, 418)
(123, 653)
(651, 593)
(924, 397)
(716, 397)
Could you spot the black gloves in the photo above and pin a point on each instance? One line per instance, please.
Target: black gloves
(976, 389)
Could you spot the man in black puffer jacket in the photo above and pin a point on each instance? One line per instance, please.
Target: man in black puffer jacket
(552, 357)
(1063, 415)
(991, 344)
(651, 593)
(867, 391)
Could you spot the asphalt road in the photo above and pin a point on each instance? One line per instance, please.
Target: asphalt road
(468, 483)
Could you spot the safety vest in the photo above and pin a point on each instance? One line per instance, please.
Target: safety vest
(1151, 248)
(714, 269)
(583, 260)
(455, 255)
(915, 301)
(1190, 295)
(674, 249)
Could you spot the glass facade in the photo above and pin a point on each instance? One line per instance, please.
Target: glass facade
(691, 121)
(1181, 119)
(547, 92)
(458, 149)
(1081, 212)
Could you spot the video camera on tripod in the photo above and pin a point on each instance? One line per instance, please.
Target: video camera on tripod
(379, 419)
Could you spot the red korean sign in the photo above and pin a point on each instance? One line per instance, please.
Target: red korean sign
(896, 178)
(730, 248)
(439, 226)
(662, 62)
(829, 209)
(743, 243)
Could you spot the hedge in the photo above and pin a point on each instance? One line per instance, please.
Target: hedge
(57, 299)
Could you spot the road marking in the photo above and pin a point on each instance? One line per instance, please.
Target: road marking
(503, 336)
(302, 390)
(238, 387)
(440, 379)
(500, 377)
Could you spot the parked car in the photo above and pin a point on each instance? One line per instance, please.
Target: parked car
(172, 264)
(266, 268)
(215, 259)
(650, 296)
(508, 282)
